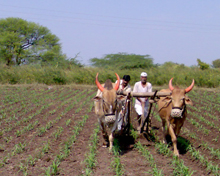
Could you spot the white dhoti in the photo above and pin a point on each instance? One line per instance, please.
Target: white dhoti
(138, 109)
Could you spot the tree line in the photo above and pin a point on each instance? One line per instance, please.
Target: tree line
(38, 52)
(23, 42)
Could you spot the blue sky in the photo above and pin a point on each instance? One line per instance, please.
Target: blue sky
(178, 31)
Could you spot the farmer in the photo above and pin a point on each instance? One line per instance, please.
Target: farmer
(124, 86)
(142, 86)
(124, 83)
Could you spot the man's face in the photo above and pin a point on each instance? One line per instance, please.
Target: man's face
(144, 79)
(125, 83)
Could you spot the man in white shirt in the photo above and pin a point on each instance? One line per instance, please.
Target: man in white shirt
(142, 86)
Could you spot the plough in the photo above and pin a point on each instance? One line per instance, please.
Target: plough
(153, 98)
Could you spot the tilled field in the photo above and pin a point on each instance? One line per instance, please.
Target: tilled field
(54, 131)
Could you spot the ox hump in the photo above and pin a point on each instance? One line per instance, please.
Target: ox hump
(165, 90)
(108, 84)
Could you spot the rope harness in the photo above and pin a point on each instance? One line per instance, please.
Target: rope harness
(124, 109)
(166, 104)
(109, 118)
(174, 114)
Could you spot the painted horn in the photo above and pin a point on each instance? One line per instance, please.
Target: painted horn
(118, 82)
(98, 84)
(170, 84)
(190, 87)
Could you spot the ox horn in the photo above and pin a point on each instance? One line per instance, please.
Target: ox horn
(118, 82)
(190, 87)
(98, 84)
(170, 84)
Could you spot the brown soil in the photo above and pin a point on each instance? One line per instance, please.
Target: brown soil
(134, 164)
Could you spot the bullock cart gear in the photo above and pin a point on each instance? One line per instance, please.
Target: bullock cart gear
(145, 94)
(123, 120)
(153, 98)
(147, 119)
(126, 115)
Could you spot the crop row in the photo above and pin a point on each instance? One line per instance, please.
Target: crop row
(55, 134)
(194, 152)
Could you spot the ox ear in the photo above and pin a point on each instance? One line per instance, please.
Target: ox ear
(120, 97)
(97, 98)
(188, 101)
(167, 99)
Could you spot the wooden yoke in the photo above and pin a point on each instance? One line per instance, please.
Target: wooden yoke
(144, 94)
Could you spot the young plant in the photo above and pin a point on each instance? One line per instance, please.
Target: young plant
(19, 148)
(68, 122)
(179, 168)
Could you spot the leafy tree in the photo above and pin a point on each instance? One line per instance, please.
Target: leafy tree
(27, 42)
(169, 64)
(123, 61)
(202, 65)
(216, 63)
(74, 61)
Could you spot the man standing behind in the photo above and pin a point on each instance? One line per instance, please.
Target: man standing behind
(142, 86)
(124, 86)
(124, 83)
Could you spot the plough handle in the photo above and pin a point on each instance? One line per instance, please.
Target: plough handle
(148, 115)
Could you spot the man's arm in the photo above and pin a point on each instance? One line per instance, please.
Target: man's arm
(149, 89)
(135, 87)
(128, 88)
(140, 100)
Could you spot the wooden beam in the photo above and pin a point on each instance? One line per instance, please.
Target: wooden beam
(144, 94)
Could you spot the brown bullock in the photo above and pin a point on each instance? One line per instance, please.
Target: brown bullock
(106, 109)
(173, 111)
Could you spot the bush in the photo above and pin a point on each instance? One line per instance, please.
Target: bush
(216, 63)
(86, 75)
(202, 65)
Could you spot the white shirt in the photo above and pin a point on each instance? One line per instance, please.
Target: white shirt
(139, 88)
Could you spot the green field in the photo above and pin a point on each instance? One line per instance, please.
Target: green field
(49, 130)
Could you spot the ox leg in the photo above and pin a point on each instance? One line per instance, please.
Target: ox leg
(105, 138)
(174, 139)
(163, 129)
(178, 128)
(111, 139)
(177, 131)
(104, 134)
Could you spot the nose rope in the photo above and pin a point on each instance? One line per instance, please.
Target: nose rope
(104, 111)
(110, 114)
(177, 108)
(168, 103)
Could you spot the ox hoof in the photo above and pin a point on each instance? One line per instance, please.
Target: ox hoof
(104, 145)
(110, 150)
(176, 154)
